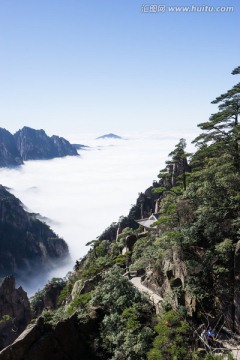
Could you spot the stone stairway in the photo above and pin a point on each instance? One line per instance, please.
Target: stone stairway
(155, 298)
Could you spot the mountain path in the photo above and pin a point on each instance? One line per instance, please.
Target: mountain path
(233, 346)
(155, 298)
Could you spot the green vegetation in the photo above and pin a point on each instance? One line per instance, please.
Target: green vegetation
(5, 319)
(80, 301)
(172, 341)
(55, 285)
(189, 254)
(125, 330)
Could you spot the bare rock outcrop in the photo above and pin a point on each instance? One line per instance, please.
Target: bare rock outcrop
(31, 144)
(69, 339)
(37, 145)
(83, 287)
(9, 154)
(14, 311)
(169, 279)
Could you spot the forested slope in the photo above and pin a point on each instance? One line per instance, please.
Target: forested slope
(190, 257)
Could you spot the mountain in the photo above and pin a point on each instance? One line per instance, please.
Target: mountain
(9, 153)
(109, 136)
(185, 263)
(26, 243)
(163, 282)
(31, 144)
(37, 145)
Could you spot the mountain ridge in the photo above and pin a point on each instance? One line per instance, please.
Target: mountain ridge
(109, 136)
(26, 243)
(188, 255)
(30, 144)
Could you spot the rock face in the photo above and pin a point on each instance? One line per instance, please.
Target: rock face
(48, 297)
(68, 340)
(26, 243)
(9, 154)
(36, 145)
(31, 144)
(14, 311)
(83, 287)
(169, 280)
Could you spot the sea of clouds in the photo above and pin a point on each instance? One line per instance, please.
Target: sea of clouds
(81, 196)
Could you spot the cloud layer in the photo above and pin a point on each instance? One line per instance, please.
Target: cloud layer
(81, 196)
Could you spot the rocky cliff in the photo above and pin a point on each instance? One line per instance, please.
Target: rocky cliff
(146, 204)
(69, 339)
(9, 154)
(26, 243)
(14, 311)
(31, 144)
(37, 145)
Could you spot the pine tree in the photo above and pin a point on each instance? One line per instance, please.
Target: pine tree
(222, 131)
(175, 172)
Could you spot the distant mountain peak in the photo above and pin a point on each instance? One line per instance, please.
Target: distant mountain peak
(31, 144)
(109, 136)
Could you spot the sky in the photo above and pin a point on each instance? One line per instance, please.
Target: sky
(74, 67)
(80, 69)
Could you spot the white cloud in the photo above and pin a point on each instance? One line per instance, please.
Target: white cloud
(81, 196)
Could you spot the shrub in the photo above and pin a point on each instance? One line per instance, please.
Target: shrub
(172, 341)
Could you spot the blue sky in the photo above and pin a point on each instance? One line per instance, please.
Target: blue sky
(72, 66)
